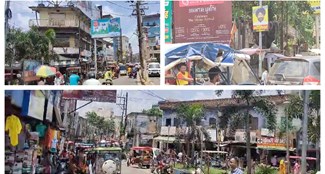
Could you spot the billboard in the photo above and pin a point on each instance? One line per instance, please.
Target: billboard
(105, 28)
(202, 21)
(260, 18)
(168, 21)
(90, 95)
(315, 5)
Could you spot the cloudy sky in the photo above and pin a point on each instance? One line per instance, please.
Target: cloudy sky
(22, 14)
(144, 99)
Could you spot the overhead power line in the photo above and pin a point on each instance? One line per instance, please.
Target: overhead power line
(120, 5)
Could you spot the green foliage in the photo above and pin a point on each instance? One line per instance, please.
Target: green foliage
(99, 122)
(29, 45)
(153, 112)
(191, 114)
(265, 169)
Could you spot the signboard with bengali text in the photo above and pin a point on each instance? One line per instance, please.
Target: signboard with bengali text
(202, 21)
(90, 95)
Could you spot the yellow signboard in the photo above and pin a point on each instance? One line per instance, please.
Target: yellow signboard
(315, 5)
(260, 18)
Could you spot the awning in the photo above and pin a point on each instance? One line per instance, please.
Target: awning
(165, 139)
(65, 63)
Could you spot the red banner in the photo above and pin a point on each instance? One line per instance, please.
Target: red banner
(91, 95)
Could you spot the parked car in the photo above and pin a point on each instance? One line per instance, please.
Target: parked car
(295, 71)
(154, 69)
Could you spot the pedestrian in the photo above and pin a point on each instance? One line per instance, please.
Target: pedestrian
(282, 167)
(274, 161)
(264, 77)
(183, 76)
(296, 167)
(41, 81)
(74, 79)
(58, 80)
(234, 169)
(214, 76)
(92, 79)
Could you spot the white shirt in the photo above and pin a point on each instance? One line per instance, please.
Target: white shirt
(264, 77)
(92, 82)
(58, 81)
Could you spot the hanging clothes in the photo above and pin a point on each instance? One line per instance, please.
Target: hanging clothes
(13, 125)
(41, 129)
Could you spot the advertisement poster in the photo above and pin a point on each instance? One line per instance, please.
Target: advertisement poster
(96, 95)
(260, 18)
(202, 21)
(33, 104)
(103, 28)
(168, 21)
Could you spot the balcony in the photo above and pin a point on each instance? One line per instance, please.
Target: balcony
(58, 23)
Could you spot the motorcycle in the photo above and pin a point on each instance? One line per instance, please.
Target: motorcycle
(62, 167)
(108, 82)
(162, 168)
(133, 75)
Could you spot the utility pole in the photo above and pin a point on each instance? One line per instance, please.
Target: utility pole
(8, 16)
(139, 11)
(95, 53)
(261, 47)
(304, 132)
(124, 107)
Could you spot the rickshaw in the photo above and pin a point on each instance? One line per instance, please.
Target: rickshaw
(142, 156)
(105, 160)
(200, 57)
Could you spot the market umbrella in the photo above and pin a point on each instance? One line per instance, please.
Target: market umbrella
(45, 71)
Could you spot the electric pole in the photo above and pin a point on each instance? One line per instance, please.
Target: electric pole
(121, 47)
(304, 132)
(124, 107)
(139, 12)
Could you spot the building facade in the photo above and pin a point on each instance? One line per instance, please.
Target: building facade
(151, 26)
(125, 48)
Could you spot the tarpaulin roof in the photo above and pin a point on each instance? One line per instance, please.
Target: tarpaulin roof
(206, 50)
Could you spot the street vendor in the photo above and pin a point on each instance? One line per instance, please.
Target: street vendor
(183, 76)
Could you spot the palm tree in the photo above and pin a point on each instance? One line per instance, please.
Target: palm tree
(191, 115)
(249, 100)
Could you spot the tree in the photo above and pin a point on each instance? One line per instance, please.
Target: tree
(102, 125)
(191, 115)
(154, 112)
(29, 45)
(295, 109)
(250, 100)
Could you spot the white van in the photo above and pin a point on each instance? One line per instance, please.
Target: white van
(154, 69)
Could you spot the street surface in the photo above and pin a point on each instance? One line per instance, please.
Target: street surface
(133, 169)
(125, 80)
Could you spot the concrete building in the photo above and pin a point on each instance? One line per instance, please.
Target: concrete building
(125, 48)
(142, 128)
(171, 125)
(151, 25)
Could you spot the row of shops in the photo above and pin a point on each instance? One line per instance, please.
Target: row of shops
(33, 127)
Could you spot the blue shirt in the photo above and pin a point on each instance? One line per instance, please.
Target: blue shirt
(237, 171)
(74, 79)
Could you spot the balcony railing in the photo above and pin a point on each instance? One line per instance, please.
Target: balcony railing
(58, 23)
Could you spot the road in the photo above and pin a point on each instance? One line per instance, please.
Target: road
(125, 80)
(133, 169)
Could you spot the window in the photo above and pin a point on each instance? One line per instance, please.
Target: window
(168, 122)
(212, 121)
(176, 122)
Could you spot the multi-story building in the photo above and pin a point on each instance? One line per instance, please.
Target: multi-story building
(71, 24)
(125, 48)
(151, 25)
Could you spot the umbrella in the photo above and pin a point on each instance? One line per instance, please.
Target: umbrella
(45, 71)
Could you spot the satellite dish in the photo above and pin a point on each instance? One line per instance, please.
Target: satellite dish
(109, 167)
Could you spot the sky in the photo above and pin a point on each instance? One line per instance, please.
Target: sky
(22, 14)
(143, 99)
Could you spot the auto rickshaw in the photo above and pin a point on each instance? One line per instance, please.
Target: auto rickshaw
(142, 156)
(105, 160)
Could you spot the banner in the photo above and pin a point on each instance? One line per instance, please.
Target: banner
(315, 5)
(202, 21)
(90, 95)
(33, 104)
(103, 28)
(168, 21)
(260, 18)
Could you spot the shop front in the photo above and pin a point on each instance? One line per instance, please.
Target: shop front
(32, 131)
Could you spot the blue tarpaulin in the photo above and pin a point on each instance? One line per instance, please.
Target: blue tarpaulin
(206, 50)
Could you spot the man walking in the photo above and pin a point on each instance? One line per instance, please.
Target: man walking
(233, 163)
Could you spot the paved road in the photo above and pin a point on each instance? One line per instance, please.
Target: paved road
(133, 169)
(125, 80)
